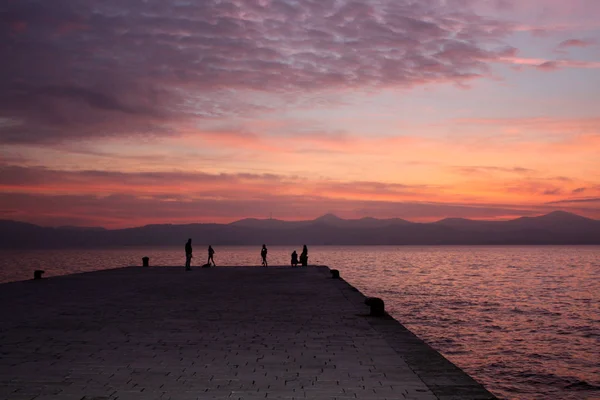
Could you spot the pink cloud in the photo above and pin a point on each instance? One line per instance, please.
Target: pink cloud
(576, 43)
(548, 65)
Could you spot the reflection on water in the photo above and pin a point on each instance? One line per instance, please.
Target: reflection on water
(525, 321)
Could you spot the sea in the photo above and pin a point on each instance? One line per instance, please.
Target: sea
(522, 320)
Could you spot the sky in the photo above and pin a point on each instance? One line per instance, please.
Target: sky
(121, 113)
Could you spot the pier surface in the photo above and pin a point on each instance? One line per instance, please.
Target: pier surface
(231, 332)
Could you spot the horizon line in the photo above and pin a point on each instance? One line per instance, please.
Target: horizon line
(331, 215)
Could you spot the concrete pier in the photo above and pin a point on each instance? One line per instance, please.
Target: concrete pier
(218, 333)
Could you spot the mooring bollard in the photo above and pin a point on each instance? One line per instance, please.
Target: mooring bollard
(377, 306)
(37, 274)
(145, 261)
(335, 274)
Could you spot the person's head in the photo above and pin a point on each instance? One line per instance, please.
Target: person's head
(189, 240)
(264, 245)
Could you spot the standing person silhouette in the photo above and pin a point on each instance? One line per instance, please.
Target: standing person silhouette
(294, 259)
(211, 252)
(304, 256)
(263, 254)
(188, 255)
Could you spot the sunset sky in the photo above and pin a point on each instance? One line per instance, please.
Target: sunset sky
(121, 113)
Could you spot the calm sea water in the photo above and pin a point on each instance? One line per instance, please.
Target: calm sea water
(524, 321)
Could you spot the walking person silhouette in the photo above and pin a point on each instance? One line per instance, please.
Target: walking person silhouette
(188, 255)
(263, 254)
(211, 252)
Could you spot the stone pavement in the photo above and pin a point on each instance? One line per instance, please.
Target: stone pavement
(231, 332)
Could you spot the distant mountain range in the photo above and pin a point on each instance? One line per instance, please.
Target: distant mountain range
(555, 228)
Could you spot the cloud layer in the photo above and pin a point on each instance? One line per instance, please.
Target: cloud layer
(88, 69)
(116, 199)
(122, 112)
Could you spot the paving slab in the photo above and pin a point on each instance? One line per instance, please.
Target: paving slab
(215, 333)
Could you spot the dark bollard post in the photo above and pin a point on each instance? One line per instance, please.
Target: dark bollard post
(145, 261)
(335, 274)
(377, 306)
(37, 274)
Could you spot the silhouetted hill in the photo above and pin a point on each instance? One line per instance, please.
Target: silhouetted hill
(367, 222)
(268, 223)
(556, 219)
(82, 228)
(554, 228)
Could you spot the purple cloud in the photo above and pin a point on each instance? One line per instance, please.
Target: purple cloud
(114, 67)
(37, 176)
(575, 201)
(576, 43)
(548, 66)
(552, 192)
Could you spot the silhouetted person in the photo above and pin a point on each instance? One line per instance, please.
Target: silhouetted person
(188, 254)
(304, 256)
(294, 259)
(263, 254)
(211, 252)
